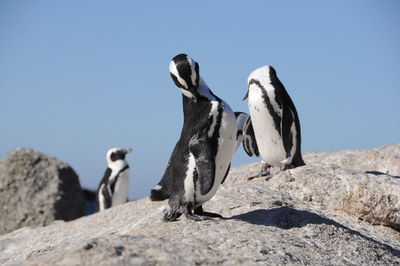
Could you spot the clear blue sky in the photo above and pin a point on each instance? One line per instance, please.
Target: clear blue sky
(80, 77)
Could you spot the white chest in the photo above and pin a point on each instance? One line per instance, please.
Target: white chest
(226, 148)
(269, 140)
(121, 189)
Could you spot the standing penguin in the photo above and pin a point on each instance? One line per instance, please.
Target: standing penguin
(273, 129)
(201, 158)
(113, 188)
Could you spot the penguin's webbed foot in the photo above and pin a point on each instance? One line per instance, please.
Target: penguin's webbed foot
(196, 218)
(267, 177)
(201, 212)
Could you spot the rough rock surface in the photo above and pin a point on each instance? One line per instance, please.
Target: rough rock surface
(36, 190)
(266, 224)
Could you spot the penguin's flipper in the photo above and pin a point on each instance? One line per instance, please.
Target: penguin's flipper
(200, 211)
(103, 191)
(249, 139)
(286, 127)
(106, 193)
(200, 148)
(226, 174)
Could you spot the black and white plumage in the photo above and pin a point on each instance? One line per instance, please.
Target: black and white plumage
(241, 119)
(114, 186)
(273, 129)
(201, 158)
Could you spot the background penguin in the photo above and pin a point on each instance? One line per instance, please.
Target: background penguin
(201, 158)
(273, 129)
(241, 119)
(113, 188)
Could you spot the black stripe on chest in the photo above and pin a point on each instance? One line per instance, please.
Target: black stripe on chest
(276, 118)
(112, 185)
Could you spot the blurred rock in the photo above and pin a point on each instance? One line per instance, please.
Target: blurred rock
(89, 196)
(287, 220)
(36, 190)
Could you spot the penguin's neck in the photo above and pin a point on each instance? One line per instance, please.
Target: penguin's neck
(118, 165)
(204, 91)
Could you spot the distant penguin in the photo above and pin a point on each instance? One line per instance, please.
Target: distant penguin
(113, 188)
(273, 129)
(241, 119)
(201, 158)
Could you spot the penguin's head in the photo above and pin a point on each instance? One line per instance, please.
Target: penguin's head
(262, 76)
(185, 73)
(115, 154)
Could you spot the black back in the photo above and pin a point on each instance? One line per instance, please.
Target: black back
(107, 196)
(283, 98)
(195, 116)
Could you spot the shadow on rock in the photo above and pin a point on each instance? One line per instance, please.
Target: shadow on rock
(283, 217)
(287, 218)
(380, 173)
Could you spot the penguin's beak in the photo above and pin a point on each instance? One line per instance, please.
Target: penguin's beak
(246, 96)
(128, 150)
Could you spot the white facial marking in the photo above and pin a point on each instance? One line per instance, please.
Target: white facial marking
(186, 93)
(194, 74)
(174, 70)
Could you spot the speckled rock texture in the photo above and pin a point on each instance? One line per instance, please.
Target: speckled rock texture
(36, 190)
(266, 223)
(363, 184)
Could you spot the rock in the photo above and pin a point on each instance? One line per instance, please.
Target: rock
(361, 183)
(264, 225)
(370, 197)
(383, 160)
(36, 190)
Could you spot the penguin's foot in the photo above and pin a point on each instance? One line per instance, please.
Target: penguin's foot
(171, 213)
(199, 211)
(268, 177)
(196, 218)
(265, 172)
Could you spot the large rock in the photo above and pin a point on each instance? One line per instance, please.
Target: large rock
(263, 226)
(371, 197)
(36, 190)
(361, 183)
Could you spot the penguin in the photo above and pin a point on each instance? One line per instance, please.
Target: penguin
(201, 158)
(241, 119)
(113, 188)
(272, 131)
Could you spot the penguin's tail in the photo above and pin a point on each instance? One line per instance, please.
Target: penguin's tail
(157, 194)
